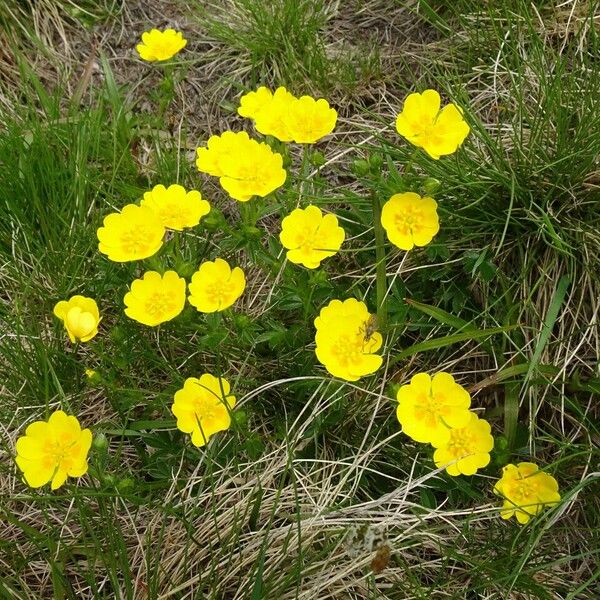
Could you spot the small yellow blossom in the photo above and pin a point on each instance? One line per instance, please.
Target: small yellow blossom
(308, 120)
(429, 407)
(346, 340)
(160, 45)
(410, 220)
(215, 286)
(135, 233)
(526, 491)
(203, 407)
(155, 298)
(310, 237)
(53, 450)
(175, 207)
(423, 124)
(272, 118)
(468, 448)
(253, 102)
(90, 373)
(244, 166)
(80, 317)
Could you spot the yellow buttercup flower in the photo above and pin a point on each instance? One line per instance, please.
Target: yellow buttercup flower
(175, 207)
(422, 123)
(135, 233)
(429, 407)
(155, 298)
(80, 317)
(410, 220)
(244, 166)
(308, 120)
(161, 45)
(346, 340)
(51, 451)
(253, 102)
(310, 237)
(215, 286)
(203, 407)
(271, 118)
(526, 491)
(467, 449)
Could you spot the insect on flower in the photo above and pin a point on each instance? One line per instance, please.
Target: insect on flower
(369, 327)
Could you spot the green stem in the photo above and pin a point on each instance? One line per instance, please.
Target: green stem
(409, 164)
(304, 170)
(381, 277)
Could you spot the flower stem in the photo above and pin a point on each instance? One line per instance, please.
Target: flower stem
(381, 278)
(408, 167)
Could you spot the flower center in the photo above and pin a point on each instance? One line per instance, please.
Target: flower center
(174, 213)
(428, 409)
(460, 444)
(218, 292)
(523, 491)
(134, 239)
(159, 304)
(349, 348)
(306, 238)
(57, 451)
(407, 221)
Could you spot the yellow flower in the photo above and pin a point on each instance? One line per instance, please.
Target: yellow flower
(526, 491)
(215, 286)
(134, 233)
(202, 407)
(308, 120)
(410, 220)
(310, 237)
(468, 448)
(429, 407)
(160, 45)
(253, 102)
(271, 119)
(346, 340)
(423, 124)
(155, 299)
(80, 317)
(244, 166)
(175, 207)
(53, 450)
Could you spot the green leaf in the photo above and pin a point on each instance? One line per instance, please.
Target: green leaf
(448, 340)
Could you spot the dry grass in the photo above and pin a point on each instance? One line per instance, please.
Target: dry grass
(299, 521)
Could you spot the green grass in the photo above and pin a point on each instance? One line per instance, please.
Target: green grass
(314, 474)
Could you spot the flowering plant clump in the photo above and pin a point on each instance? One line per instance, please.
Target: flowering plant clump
(310, 237)
(160, 45)
(526, 491)
(51, 451)
(155, 298)
(467, 449)
(134, 233)
(215, 286)
(203, 407)
(429, 407)
(80, 316)
(346, 340)
(175, 207)
(302, 120)
(410, 220)
(422, 123)
(245, 167)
